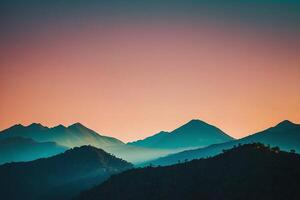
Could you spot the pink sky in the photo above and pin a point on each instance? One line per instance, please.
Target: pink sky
(131, 80)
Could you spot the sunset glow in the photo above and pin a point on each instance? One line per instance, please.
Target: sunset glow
(130, 74)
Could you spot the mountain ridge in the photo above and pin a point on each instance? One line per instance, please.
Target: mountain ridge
(60, 134)
(250, 171)
(195, 133)
(286, 137)
(78, 135)
(59, 177)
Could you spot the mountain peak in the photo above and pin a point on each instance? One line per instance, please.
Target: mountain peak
(16, 126)
(195, 133)
(77, 125)
(285, 124)
(199, 127)
(60, 126)
(37, 125)
(196, 122)
(162, 132)
(85, 148)
(89, 153)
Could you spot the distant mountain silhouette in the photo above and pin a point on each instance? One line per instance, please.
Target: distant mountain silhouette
(25, 149)
(248, 172)
(151, 141)
(286, 135)
(58, 177)
(78, 135)
(195, 133)
(72, 136)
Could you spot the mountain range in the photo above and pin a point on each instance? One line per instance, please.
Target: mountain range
(285, 135)
(195, 139)
(60, 169)
(59, 177)
(252, 171)
(193, 134)
(72, 136)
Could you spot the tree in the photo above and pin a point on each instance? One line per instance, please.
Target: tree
(292, 151)
(224, 150)
(275, 149)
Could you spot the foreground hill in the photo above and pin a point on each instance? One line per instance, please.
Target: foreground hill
(195, 133)
(251, 171)
(286, 135)
(58, 177)
(24, 149)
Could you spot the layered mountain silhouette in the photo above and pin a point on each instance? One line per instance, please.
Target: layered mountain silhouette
(286, 135)
(78, 135)
(251, 171)
(192, 135)
(195, 133)
(72, 136)
(58, 177)
(25, 149)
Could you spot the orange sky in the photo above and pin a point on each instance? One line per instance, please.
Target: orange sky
(131, 79)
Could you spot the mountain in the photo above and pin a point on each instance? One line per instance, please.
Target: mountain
(248, 172)
(58, 177)
(72, 136)
(286, 135)
(149, 142)
(78, 135)
(25, 149)
(195, 133)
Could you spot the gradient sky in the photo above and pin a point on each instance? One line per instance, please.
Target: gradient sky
(129, 69)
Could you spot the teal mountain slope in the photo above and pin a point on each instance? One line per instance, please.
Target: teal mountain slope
(25, 149)
(77, 135)
(193, 134)
(286, 135)
(72, 136)
(149, 142)
(58, 177)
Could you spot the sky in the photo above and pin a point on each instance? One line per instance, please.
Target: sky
(130, 69)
